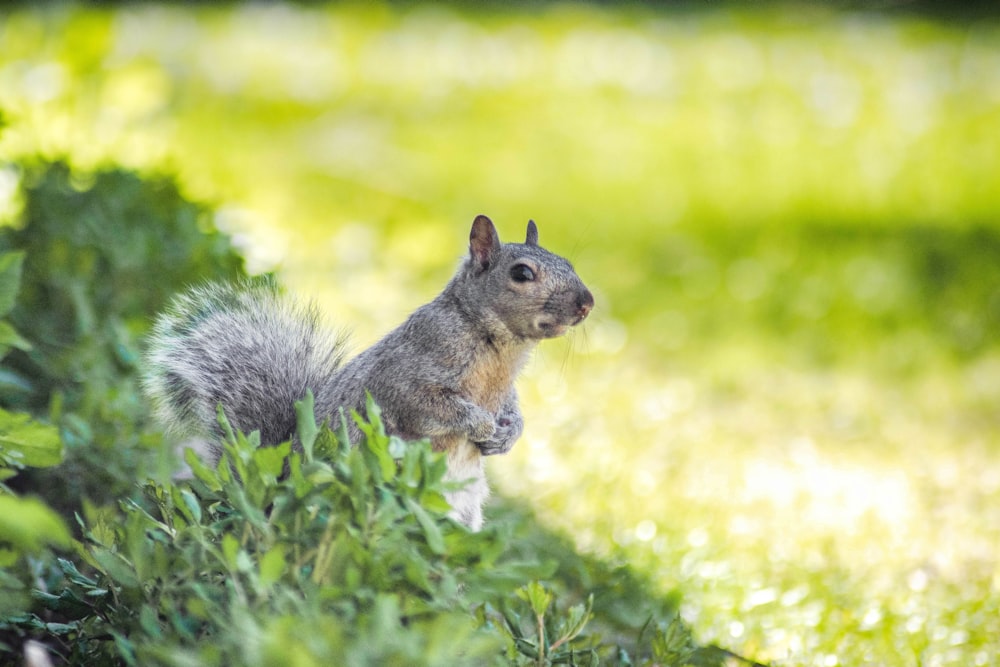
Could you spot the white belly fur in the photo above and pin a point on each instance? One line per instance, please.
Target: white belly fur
(465, 463)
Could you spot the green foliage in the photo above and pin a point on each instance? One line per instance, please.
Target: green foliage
(325, 564)
(537, 637)
(10, 283)
(86, 237)
(308, 556)
(26, 524)
(100, 254)
(23, 441)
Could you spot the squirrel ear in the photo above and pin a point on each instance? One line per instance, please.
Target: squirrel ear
(484, 242)
(532, 238)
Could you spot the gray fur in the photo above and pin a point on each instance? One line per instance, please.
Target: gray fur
(446, 373)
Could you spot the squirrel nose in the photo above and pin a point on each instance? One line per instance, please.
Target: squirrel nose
(584, 303)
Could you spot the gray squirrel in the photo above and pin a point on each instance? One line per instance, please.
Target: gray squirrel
(447, 373)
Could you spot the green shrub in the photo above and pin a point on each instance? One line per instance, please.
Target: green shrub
(101, 253)
(23, 442)
(348, 558)
(26, 524)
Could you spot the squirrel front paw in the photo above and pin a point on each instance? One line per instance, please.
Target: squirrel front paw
(505, 434)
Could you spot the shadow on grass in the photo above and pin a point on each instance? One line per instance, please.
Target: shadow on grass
(627, 604)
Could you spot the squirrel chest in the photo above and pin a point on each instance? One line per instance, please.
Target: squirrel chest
(488, 378)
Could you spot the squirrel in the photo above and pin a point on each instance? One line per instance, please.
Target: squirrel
(447, 373)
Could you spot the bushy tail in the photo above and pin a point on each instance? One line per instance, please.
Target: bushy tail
(243, 345)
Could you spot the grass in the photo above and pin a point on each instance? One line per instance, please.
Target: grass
(785, 404)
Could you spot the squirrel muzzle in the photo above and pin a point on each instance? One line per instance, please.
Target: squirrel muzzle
(564, 311)
(584, 304)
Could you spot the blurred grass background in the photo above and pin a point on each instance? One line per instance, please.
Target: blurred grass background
(787, 402)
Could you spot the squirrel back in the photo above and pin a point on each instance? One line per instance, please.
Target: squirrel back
(447, 373)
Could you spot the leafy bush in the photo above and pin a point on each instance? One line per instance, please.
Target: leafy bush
(26, 524)
(101, 253)
(23, 442)
(348, 559)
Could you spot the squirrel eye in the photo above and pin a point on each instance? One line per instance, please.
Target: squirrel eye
(522, 273)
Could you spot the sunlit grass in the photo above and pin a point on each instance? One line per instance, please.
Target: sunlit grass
(804, 515)
(784, 405)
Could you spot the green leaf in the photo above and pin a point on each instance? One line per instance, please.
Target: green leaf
(149, 622)
(10, 338)
(202, 472)
(435, 502)
(243, 562)
(73, 574)
(10, 280)
(376, 442)
(431, 530)
(223, 421)
(125, 648)
(230, 549)
(673, 644)
(305, 411)
(192, 505)
(272, 565)
(62, 628)
(578, 617)
(537, 596)
(271, 461)
(29, 524)
(37, 445)
(374, 412)
(343, 435)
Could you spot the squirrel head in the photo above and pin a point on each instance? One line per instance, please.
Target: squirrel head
(521, 287)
